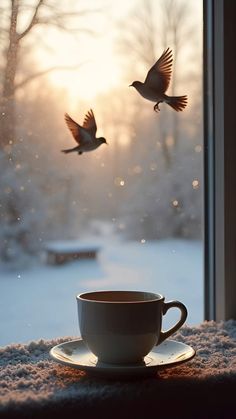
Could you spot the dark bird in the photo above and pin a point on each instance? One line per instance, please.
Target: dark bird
(84, 135)
(157, 82)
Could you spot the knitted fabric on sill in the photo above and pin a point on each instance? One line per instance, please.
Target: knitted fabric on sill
(30, 378)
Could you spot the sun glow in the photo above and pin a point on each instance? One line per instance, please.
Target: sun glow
(85, 66)
(97, 74)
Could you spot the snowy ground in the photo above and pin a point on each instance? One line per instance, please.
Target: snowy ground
(40, 302)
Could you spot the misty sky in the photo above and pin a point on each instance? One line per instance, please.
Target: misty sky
(101, 68)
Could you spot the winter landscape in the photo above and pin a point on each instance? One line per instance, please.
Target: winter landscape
(40, 302)
(140, 197)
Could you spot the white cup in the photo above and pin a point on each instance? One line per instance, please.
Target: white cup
(121, 327)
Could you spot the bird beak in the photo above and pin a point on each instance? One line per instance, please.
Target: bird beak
(130, 85)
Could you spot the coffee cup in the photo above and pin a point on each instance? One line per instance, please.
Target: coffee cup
(122, 327)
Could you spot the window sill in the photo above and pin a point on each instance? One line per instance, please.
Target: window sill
(33, 385)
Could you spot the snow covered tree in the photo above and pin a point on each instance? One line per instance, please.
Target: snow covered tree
(19, 20)
(15, 37)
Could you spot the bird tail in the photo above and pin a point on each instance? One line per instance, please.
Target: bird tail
(69, 150)
(178, 103)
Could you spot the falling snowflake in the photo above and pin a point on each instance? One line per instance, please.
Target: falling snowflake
(119, 181)
(195, 184)
(153, 167)
(198, 148)
(175, 203)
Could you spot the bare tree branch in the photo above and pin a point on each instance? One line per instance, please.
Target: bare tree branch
(56, 15)
(57, 19)
(81, 13)
(61, 25)
(46, 71)
(33, 21)
(85, 12)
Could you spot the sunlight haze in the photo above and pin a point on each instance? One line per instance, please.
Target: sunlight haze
(98, 65)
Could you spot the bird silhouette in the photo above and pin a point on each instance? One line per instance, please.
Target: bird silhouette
(157, 82)
(84, 135)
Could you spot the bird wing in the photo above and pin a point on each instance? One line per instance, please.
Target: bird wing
(159, 74)
(74, 128)
(90, 123)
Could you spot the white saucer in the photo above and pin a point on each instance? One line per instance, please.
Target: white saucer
(76, 355)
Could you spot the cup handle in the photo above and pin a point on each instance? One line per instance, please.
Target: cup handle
(184, 313)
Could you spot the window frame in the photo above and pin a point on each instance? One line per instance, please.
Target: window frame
(219, 159)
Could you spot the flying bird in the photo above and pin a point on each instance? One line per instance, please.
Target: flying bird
(157, 82)
(84, 135)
